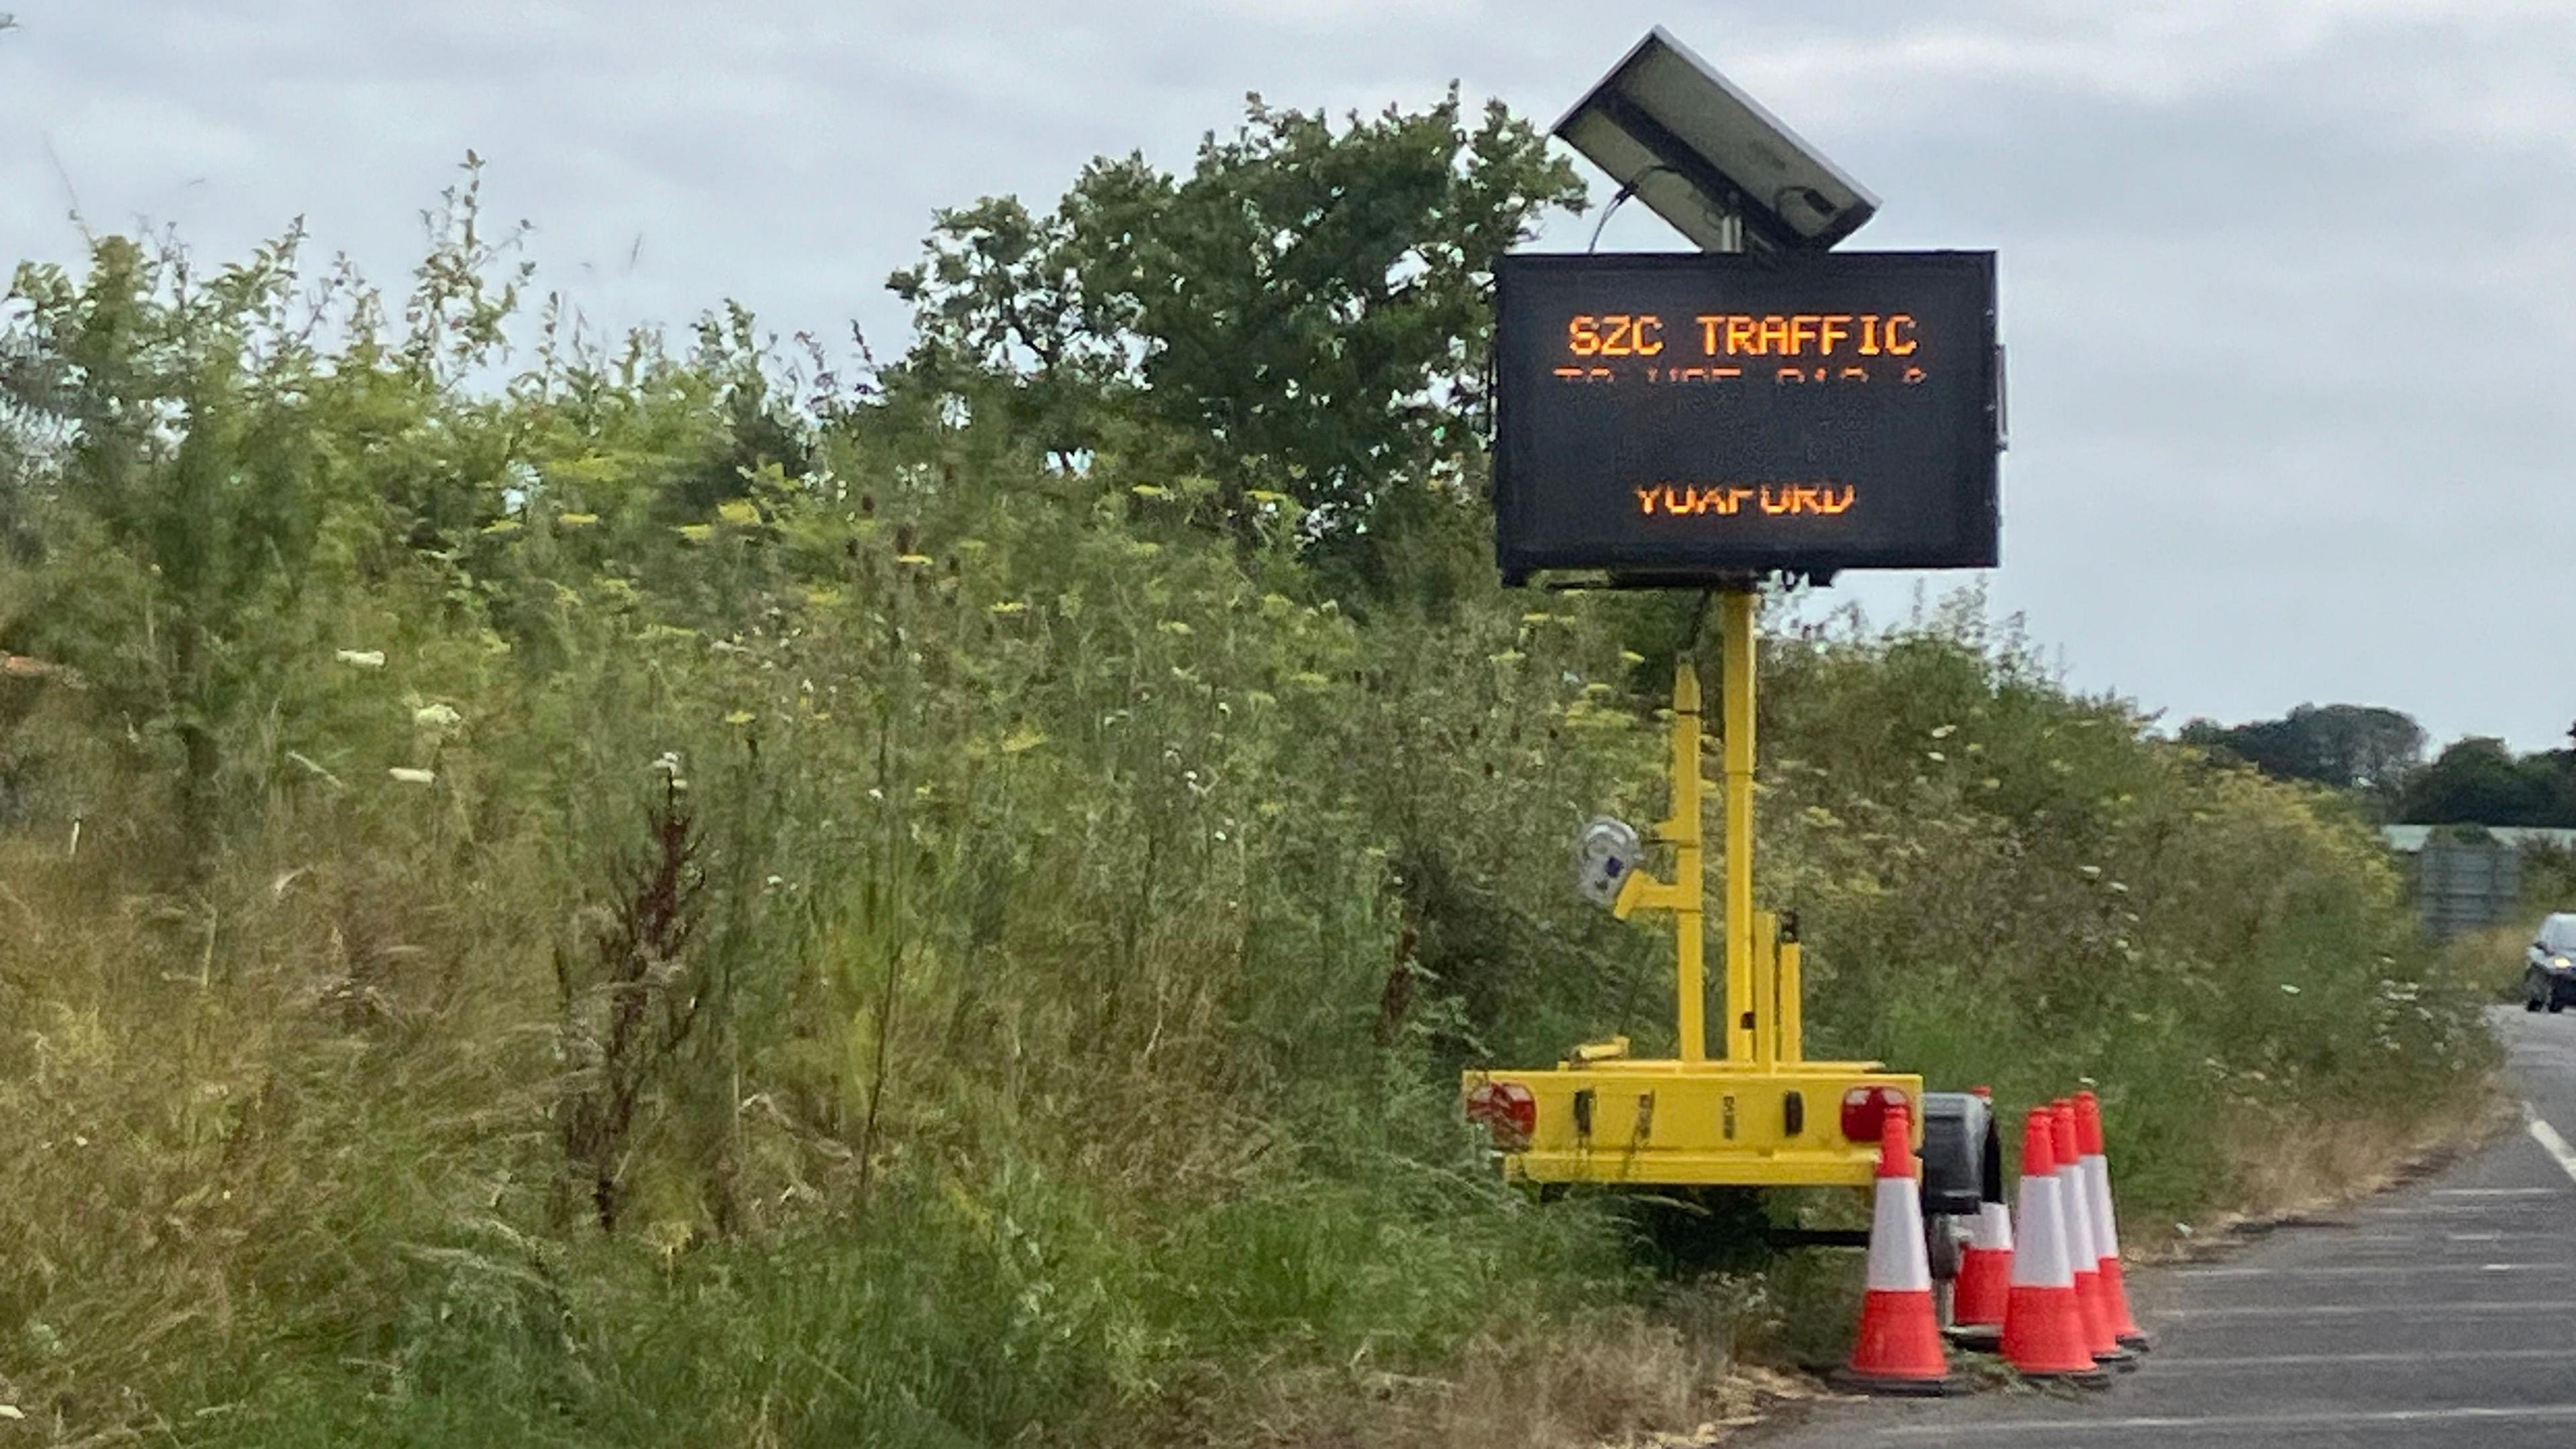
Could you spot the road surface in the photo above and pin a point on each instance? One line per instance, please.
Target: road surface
(2442, 1314)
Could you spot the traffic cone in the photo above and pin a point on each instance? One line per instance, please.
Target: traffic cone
(2100, 1335)
(1984, 1284)
(2106, 1224)
(2044, 1335)
(1899, 1351)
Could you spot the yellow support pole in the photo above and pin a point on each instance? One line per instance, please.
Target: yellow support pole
(1687, 894)
(1743, 1006)
(1793, 1027)
(1766, 991)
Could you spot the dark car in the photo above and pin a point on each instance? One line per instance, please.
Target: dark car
(2549, 967)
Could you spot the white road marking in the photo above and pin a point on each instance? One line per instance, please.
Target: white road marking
(2549, 1140)
(2374, 1270)
(2438, 1211)
(2410, 1313)
(2328, 1419)
(2419, 1240)
(2325, 1360)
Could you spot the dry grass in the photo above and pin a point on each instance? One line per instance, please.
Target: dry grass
(2288, 1169)
(2489, 959)
(184, 1089)
(1616, 1377)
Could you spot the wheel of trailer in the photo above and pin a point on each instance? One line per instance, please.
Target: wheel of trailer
(1963, 1169)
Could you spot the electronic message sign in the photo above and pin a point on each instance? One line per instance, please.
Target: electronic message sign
(1678, 418)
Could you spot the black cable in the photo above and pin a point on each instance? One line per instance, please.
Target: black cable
(1699, 622)
(1618, 200)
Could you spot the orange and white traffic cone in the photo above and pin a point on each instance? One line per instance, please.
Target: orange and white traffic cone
(1984, 1283)
(2044, 1334)
(2099, 1334)
(1899, 1351)
(2106, 1224)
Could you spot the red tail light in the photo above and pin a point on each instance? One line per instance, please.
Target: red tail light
(1509, 1112)
(1865, 1111)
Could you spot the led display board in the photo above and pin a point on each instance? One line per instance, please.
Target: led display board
(1676, 418)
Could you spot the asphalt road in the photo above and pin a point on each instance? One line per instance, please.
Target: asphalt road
(2441, 1314)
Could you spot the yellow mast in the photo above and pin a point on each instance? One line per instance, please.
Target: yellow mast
(1682, 832)
(1761, 1026)
(1736, 713)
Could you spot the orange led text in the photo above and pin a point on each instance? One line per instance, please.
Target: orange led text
(1688, 500)
(1803, 334)
(1618, 334)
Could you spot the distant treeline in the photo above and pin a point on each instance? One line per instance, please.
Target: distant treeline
(2378, 754)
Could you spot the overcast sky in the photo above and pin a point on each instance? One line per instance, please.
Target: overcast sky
(2287, 284)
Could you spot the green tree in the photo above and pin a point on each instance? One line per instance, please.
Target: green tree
(208, 466)
(190, 493)
(2344, 746)
(2478, 781)
(1309, 307)
(33, 402)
